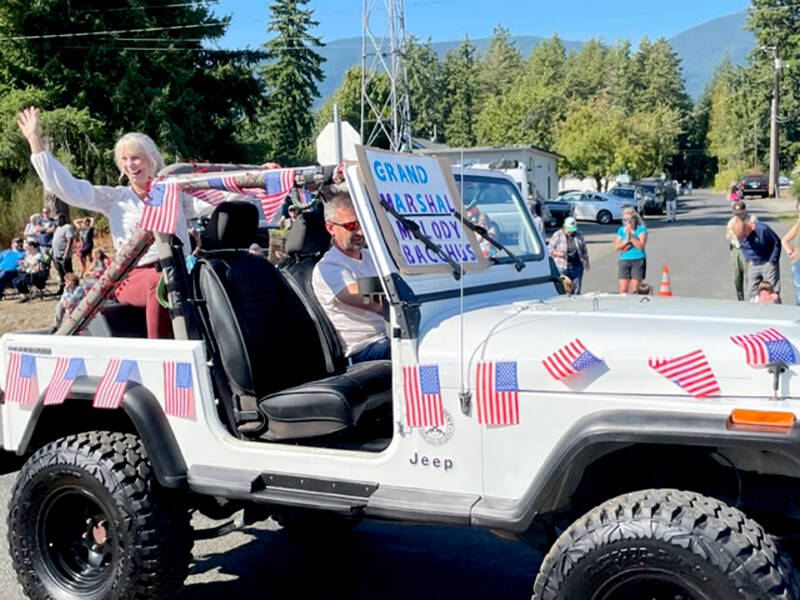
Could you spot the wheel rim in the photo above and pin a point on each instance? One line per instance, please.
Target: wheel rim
(76, 540)
(604, 218)
(649, 584)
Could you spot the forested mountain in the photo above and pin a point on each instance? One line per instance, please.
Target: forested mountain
(700, 49)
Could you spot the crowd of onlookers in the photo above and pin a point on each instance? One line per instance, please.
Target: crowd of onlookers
(50, 243)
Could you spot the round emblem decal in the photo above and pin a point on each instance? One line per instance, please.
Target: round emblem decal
(438, 436)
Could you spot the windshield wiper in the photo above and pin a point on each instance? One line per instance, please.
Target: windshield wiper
(414, 228)
(519, 264)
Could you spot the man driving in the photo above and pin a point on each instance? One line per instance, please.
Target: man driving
(360, 325)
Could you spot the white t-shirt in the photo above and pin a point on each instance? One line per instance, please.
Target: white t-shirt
(357, 327)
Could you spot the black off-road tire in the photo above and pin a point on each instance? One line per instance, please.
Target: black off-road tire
(88, 520)
(665, 544)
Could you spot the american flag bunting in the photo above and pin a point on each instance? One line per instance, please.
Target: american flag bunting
(690, 372)
(569, 360)
(112, 385)
(497, 392)
(277, 185)
(21, 385)
(160, 212)
(178, 394)
(422, 392)
(762, 347)
(66, 372)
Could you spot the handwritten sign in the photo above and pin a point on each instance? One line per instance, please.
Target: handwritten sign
(420, 189)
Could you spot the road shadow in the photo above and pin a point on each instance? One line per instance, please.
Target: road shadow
(372, 560)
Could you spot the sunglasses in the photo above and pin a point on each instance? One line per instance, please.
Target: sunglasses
(349, 226)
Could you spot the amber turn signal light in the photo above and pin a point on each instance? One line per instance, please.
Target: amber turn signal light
(761, 420)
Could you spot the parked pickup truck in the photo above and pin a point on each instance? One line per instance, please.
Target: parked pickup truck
(647, 445)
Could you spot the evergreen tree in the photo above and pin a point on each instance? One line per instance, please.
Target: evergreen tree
(660, 76)
(529, 111)
(425, 88)
(499, 66)
(460, 102)
(586, 70)
(291, 77)
(156, 77)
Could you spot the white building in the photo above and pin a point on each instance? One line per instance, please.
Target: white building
(540, 164)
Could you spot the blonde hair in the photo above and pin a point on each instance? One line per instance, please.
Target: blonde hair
(629, 210)
(141, 143)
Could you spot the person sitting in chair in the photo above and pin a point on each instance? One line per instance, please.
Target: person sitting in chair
(359, 324)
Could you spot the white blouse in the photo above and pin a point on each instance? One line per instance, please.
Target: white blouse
(119, 203)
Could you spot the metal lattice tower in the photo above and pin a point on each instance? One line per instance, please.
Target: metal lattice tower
(384, 53)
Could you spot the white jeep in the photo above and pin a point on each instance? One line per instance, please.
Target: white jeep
(636, 437)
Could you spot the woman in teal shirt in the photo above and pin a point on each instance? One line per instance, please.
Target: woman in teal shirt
(630, 241)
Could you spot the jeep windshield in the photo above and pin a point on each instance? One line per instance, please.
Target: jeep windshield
(495, 204)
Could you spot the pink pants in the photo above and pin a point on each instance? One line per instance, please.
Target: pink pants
(139, 289)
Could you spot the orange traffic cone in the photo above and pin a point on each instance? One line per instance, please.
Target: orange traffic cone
(665, 289)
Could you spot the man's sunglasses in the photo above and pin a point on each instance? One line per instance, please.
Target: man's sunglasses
(349, 226)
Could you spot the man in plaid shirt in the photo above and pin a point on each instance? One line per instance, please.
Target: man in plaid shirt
(568, 249)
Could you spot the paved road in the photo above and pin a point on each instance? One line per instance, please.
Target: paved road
(395, 561)
(373, 560)
(693, 247)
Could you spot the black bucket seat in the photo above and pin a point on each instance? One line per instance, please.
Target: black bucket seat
(268, 343)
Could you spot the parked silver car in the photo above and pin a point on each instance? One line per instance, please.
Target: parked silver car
(597, 206)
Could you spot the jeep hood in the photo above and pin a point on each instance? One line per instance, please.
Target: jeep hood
(624, 332)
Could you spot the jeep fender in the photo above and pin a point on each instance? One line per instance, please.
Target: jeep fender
(144, 414)
(597, 434)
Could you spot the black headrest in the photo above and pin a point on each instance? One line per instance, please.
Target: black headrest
(232, 225)
(308, 234)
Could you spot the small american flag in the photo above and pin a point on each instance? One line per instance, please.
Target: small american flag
(570, 359)
(66, 372)
(423, 396)
(690, 372)
(277, 185)
(213, 197)
(160, 212)
(112, 384)
(21, 385)
(497, 390)
(762, 347)
(178, 395)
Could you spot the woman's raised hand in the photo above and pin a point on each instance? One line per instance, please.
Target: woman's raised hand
(28, 123)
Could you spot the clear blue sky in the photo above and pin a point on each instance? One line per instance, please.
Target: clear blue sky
(452, 19)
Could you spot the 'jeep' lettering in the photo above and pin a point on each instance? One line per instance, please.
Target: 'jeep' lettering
(431, 461)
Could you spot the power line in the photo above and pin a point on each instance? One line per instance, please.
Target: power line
(111, 32)
(130, 8)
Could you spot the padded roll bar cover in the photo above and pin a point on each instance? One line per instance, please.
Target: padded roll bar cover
(231, 225)
(125, 259)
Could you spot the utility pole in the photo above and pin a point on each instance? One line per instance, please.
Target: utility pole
(773, 128)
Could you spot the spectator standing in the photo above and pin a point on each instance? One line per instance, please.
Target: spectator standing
(568, 248)
(45, 229)
(85, 229)
(9, 264)
(630, 242)
(62, 249)
(761, 248)
(789, 243)
(31, 232)
(671, 202)
(737, 262)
